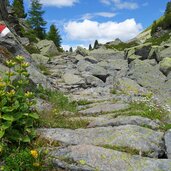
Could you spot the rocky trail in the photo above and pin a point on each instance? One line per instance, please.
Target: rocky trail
(124, 97)
(118, 136)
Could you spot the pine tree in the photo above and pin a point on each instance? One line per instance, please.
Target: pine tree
(35, 19)
(70, 49)
(154, 27)
(7, 3)
(18, 7)
(96, 44)
(54, 35)
(168, 8)
(90, 47)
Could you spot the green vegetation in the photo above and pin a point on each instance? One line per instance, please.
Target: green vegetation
(164, 22)
(166, 127)
(36, 20)
(83, 102)
(113, 91)
(54, 119)
(144, 110)
(96, 44)
(158, 40)
(20, 159)
(17, 116)
(70, 50)
(125, 149)
(54, 35)
(17, 121)
(59, 101)
(122, 46)
(90, 47)
(18, 7)
(32, 49)
(44, 69)
(61, 113)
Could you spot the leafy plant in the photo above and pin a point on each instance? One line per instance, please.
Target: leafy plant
(26, 159)
(16, 104)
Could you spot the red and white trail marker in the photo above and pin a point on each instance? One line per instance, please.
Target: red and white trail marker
(4, 30)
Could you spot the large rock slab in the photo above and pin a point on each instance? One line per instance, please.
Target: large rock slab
(93, 81)
(129, 86)
(146, 75)
(47, 48)
(103, 54)
(165, 53)
(103, 108)
(168, 143)
(124, 120)
(165, 66)
(39, 59)
(82, 51)
(71, 79)
(134, 137)
(91, 158)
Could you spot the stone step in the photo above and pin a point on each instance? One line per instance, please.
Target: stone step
(139, 138)
(104, 108)
(93, 158)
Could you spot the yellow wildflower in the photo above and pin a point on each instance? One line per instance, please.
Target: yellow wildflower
(2, 84)
(29, 94)
(34, 153)
(25, 64)
(2, 168)
(11, 93)
(2, 93)
(19, 58)
(36, 164)
(10, 63)
(10, 74)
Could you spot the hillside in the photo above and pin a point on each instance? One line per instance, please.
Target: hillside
(107, 109)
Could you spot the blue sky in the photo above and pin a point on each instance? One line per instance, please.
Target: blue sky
(80, 22)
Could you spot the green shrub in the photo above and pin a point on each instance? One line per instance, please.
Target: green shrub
(44, 69)
(159, 40)
(32, 49)
(16, 114)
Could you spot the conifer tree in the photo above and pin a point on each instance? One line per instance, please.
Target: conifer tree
(35, 19)
(70, 49)
(54, 35)
(96, 44)
(90, 47)
(168, 8)
(18, 7)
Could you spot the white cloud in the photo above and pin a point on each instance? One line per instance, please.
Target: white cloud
(74, 47)
(106, 14)
(59, 3)
(121, 5)
(101, 14)
(88, 31)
